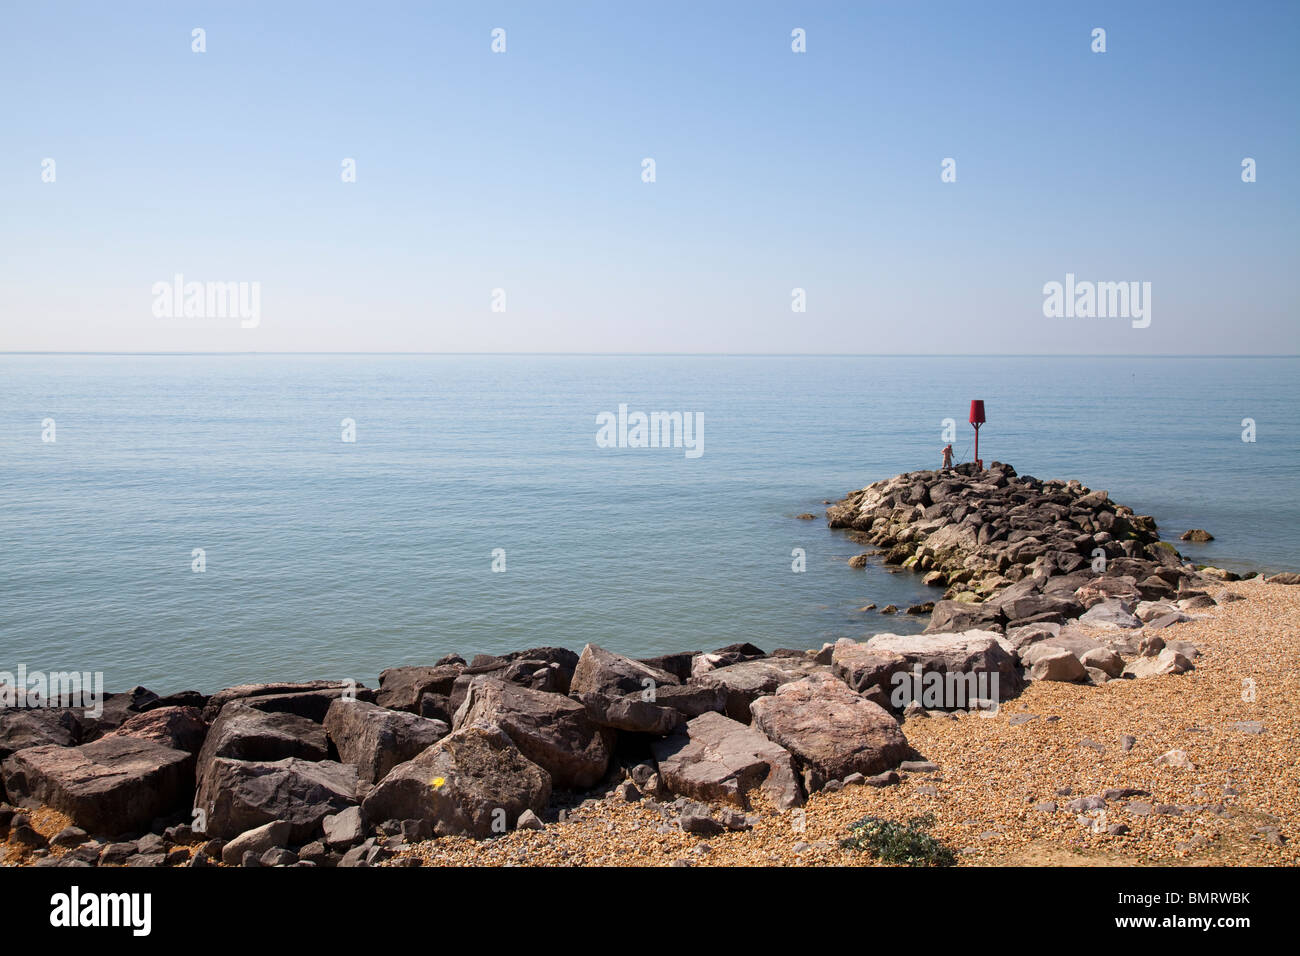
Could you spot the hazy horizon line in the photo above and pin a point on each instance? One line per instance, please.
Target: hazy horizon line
(1116, 355)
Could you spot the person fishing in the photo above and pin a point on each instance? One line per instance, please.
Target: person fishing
(947, 456)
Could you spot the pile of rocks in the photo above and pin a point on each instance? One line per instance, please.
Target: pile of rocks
(1012, 550)
(327, 773)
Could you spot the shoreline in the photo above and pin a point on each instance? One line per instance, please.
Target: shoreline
(1096, 631)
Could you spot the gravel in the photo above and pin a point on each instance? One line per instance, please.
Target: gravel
(1240, 803)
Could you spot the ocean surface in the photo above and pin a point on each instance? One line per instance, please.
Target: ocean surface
(333, 559)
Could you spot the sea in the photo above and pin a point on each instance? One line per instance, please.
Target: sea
(198, 521)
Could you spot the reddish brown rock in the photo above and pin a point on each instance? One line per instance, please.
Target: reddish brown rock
(720, 760)
(286, 694)
(375, 739)
(551, 730)
(600, 671)
(401, 688)
(830, 731)
(110, 786)
(745, 682)
(474, 782)
(181, 728)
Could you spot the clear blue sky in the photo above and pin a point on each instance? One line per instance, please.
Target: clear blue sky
(774, 170)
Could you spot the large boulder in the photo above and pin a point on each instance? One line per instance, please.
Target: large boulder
(691, 700)
(719, 760)
(631, 713)
(109, 786)
(745, 682)
(600, 671)
(1110, 613)
(291, 697)
(861, 666)
(242, 732)
(1122, 588)
(1047, 662)
(181, 728)
(403, 688)
(238, 795)
(21, 728)
(551, 730)
(474, 782)
(951, 616)
(830, 730)
(375, 739)
(1039, 608)
(311, 704)
(969, 653)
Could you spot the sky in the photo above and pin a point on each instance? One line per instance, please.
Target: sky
(522, 171)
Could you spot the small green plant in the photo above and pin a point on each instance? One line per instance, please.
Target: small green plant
(893, 842)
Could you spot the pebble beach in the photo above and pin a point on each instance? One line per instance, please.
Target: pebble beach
(1001, 792)
(1000, 795)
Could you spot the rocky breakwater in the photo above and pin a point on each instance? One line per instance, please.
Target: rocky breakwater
(1069, 584)
(1013, 550)
(329, 773)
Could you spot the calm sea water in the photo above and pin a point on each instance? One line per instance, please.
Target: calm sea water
(334, 559)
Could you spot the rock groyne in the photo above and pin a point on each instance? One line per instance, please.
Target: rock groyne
(1013, 550)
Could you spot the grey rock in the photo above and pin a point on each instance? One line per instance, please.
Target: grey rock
(242, 732)
(600, 671)
(69, 836)
(240, 795)
(343, 829)
(279, 856)
(256, 841)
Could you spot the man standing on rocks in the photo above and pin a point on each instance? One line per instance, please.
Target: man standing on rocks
(947, 456)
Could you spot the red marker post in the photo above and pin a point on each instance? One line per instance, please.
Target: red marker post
(977, 419)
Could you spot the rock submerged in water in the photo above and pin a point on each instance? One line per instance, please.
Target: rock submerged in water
(1196, 534)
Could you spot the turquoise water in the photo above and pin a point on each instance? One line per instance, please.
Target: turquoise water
(334, 559)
